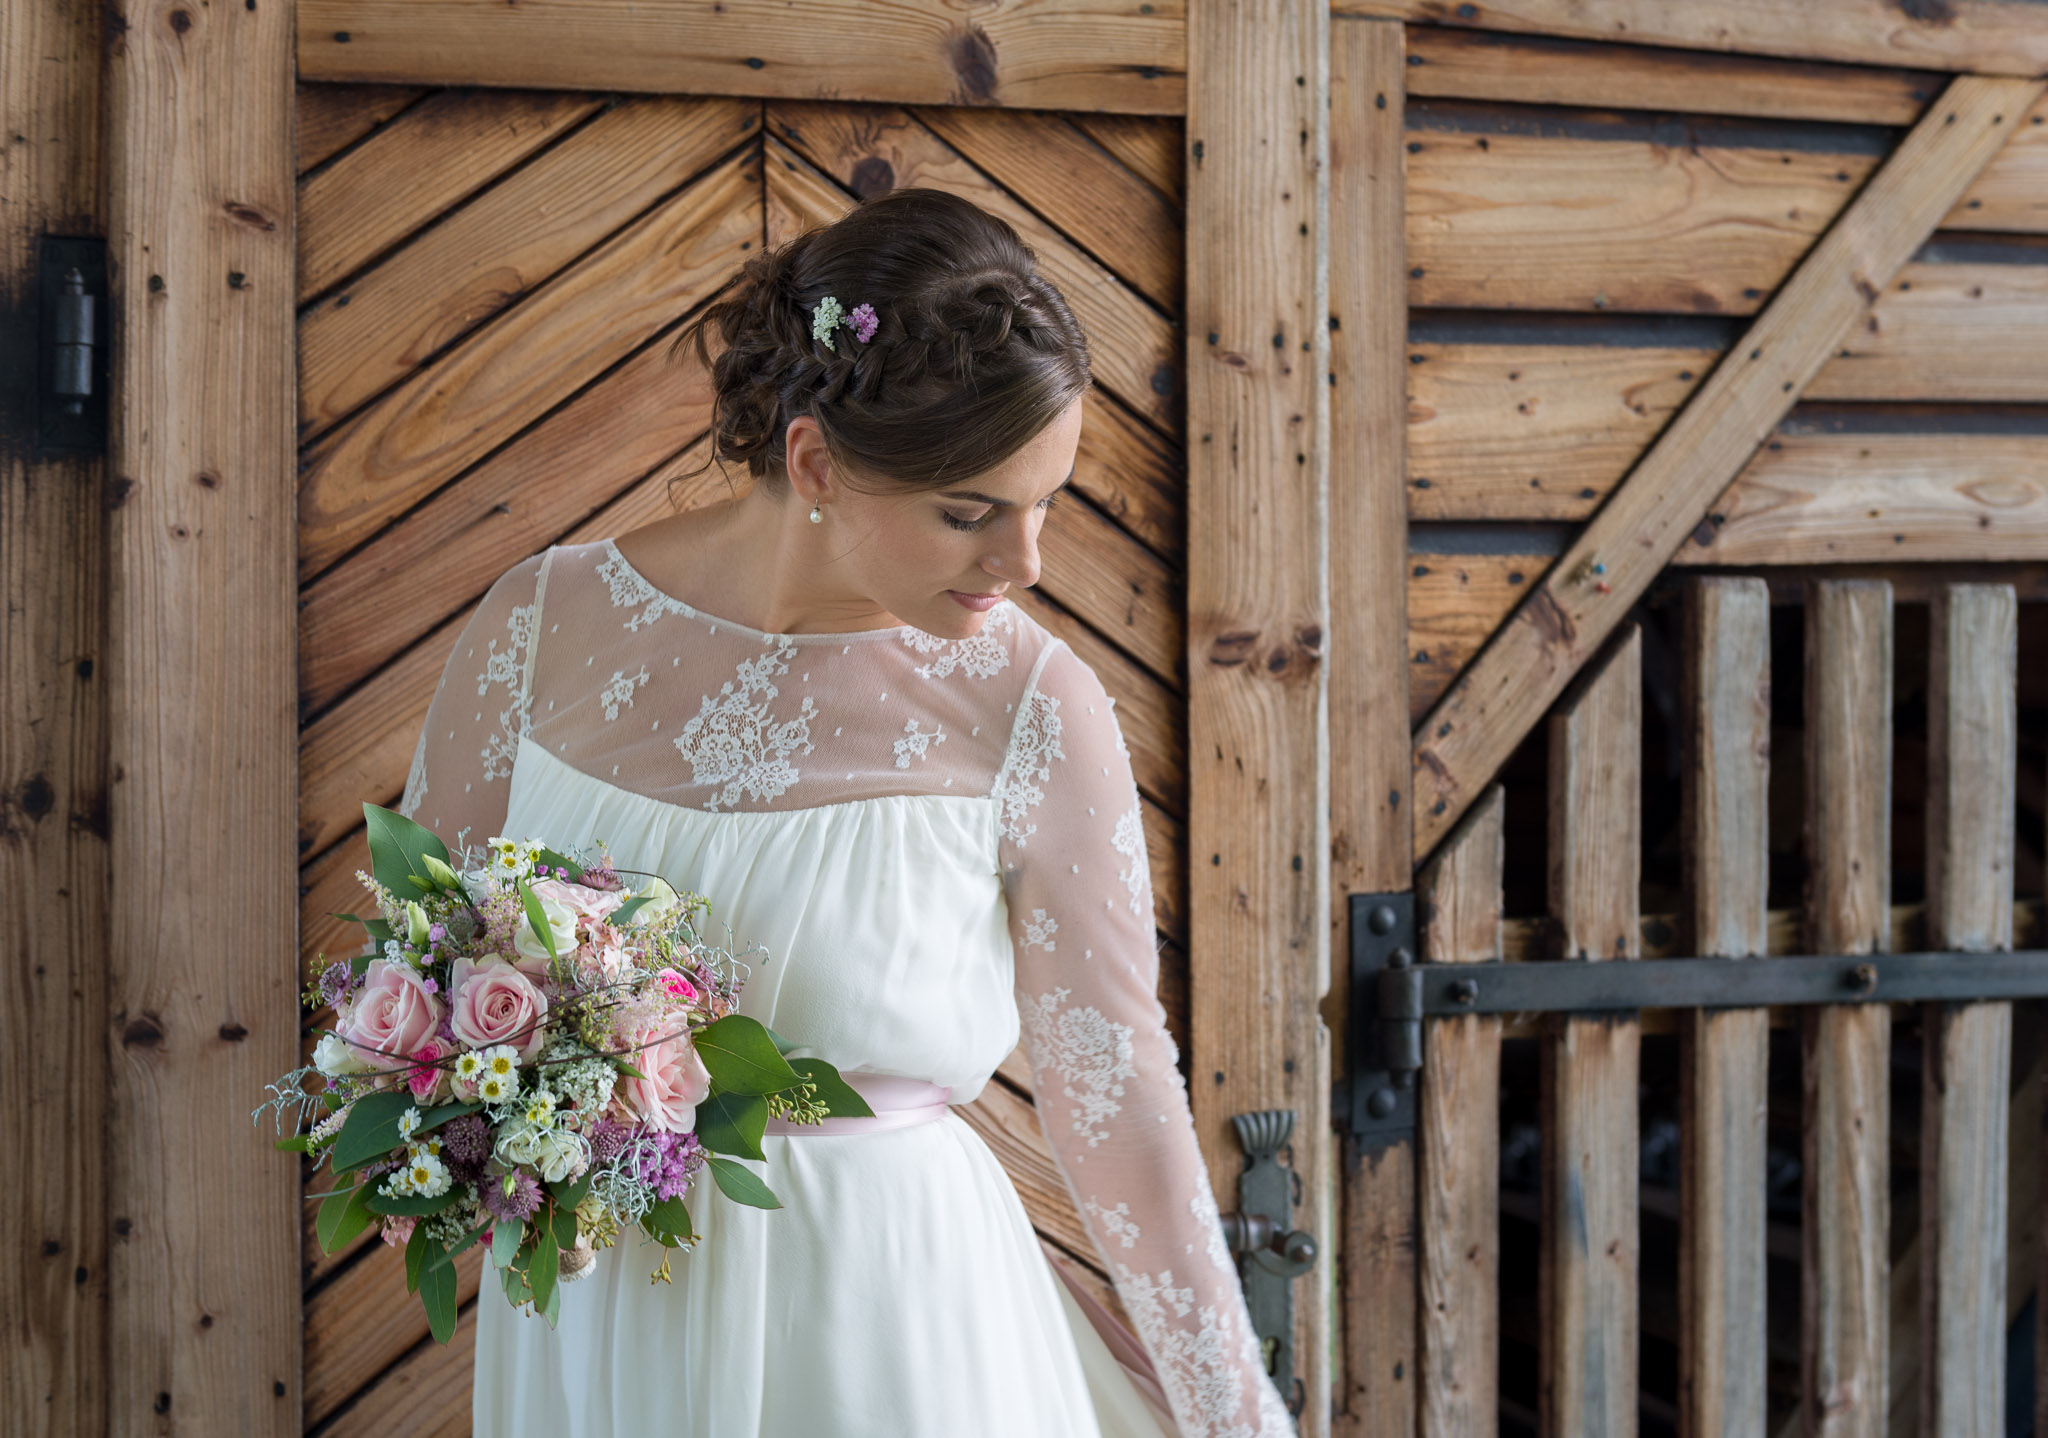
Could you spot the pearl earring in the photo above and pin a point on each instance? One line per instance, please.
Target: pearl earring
(816, 518)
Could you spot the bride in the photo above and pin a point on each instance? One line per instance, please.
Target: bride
(815, 704)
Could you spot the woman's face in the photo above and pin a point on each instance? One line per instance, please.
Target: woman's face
(940, 559)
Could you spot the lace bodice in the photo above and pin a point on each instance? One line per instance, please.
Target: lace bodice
(575, 651)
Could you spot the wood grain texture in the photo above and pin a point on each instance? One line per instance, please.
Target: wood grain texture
(1725, 711)
(1972, 739)
(327, 119)
(1046, 54)
(362, 1321)
(2012, 193)
(202, 733)
(1479, 722)
(424, 163)
(1368, 700)
(1981, 35)
(1845, 1233)
(1590, 1066)
(1455, 603)
(1258, 603)
(54, 880)
(1458, 1142)
(1149, 144)
(426, 1394)
(1948, 332)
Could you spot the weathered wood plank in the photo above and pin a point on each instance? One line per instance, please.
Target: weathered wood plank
(1044, 54)
(1846, 1230)
(1948, 332)
(1972, 741)
(1455, 603)
(1487, 711)
(455, 275)
(427, 161)
(1131, 346)
(1458, 1135)
(426, 1394)
(202, 733)
(1982, 35)
(54, 881)
(1590, 1065)
(1725, 709)
(2012, 193)
(1878, 498)
(1149, 144)
(1257, 601)
(363, 1321)
(1368, 702)
(1541, 70)
(459, 408)
(327, 119)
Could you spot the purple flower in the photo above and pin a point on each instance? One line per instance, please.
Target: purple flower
(515, 1206)
(608, 1139)
(864, 321)
(336, 983)
(666, 1162)
(466, 1147)
(437, 932)
(600, 876)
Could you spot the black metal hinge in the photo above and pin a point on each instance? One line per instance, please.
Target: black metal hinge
(1374, 1099)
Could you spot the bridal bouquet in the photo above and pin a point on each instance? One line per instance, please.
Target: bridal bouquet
(535, 1054)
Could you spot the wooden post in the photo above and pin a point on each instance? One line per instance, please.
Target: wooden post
(1590, 1065)
(1847, 1228)
(1972, 754)
(204, 1329)
(1458, 1132)
(1370, 850)
(1257, 601)
(1725, 1063)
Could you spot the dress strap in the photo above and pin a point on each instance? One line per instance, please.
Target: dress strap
(898, 1103)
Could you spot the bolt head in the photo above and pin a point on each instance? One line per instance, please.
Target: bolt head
(1381, 920)
(1382, 1103)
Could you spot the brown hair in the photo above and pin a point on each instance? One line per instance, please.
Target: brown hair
(974, 354)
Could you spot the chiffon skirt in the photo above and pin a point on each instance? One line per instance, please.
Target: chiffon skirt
(900, 1292)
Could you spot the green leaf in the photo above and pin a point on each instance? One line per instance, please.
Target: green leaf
(437, 1292)
(668, 1223)
(552, 1309)
(626, 1070)
(416, 1256)
(568, 1193)
(563, 1226)
(541, 1268)
(342, 1217)
(412, 1205)
(733, 1123)
(537, 916)
(840, 1097)
(449, 1255)
(742, 1058)
(297, 1143)
(556, 861)
(782, 1045)
(517, 1289)
(505, 1244)
(741, 1184)
(398, 847)
(433, 1118)
(631, 907)
(371, 1131)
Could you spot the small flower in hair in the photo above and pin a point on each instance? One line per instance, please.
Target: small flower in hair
(864, 321)
(824, 319)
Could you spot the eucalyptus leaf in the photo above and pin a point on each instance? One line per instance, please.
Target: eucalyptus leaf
(563, 1225)
(626, 1070)
(742, 1058)
(416, 1256)
(398, 847)
(504, 1244)
(782, 1045)
(433, 1118)
(631, 907)
(733, 1123)
(297, 1143)
(517, 1290)
(668, 1223)
(558, 862)
(438, 1293)
(840, 1098)
(542, 1267)
(741, 1184)
(449, 1255)
(342, 1217)
(570, 1192)
(371, 1131)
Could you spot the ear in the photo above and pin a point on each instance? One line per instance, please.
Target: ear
(807, 462)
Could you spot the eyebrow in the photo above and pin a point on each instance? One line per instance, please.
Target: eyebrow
(977, 497)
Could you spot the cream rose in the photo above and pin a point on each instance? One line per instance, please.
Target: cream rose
(494, 1003)
(589, 905)
(333, 1057)
(676, 1080)
(391, 1017)
(661, 898)
(561, 923)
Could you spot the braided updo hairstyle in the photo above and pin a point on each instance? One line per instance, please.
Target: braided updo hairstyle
(975, 352)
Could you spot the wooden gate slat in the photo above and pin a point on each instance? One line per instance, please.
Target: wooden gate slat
(1149, 144)
(327, 119)
(1972, 752)
(362, 1321)
(1458, 1136)
(1846, 1231)
(426, 1394)
(1590, 1065)
(1725, 1054)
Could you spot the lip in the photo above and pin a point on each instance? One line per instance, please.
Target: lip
(979, 603)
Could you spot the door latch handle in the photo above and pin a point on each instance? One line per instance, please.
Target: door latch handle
(1270, 1254)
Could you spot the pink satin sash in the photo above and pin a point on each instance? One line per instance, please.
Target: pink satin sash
(898, 1103)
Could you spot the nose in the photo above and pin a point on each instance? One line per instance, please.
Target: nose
(1016, 558)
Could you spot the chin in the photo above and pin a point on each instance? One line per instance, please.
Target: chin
(946, 617)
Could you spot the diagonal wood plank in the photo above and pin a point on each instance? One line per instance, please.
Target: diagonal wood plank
(1489, 710)
(427, 161)
(327, 119)
(1149, 145)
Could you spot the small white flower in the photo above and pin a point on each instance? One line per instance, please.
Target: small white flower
(503, 1061)
(334, 1056)
(469, 1066)
(427, 1176)
(494, 1089)
(408, 1124)
(540, 1109)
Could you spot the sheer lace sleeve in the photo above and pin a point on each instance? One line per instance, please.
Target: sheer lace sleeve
(462, 765)
(1111, 1101)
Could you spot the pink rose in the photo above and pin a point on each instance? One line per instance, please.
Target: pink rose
(677, 1081)
(496, 1004)
(589, 905)
(425, 1077)
(676, 986)
(392, 1017)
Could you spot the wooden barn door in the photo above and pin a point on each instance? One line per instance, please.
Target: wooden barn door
(487, 282)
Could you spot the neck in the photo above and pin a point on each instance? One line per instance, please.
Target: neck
(760, 561)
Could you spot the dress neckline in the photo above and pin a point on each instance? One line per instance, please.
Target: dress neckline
(618, 557)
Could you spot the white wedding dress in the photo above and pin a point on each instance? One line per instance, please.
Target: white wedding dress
(937, 842)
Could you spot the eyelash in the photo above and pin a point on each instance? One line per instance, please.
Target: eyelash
(971, 526)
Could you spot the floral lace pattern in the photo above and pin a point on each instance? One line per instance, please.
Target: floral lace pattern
(915, 743)
(508, 667)
(620, 690)
(982, 655)
(1038, 934)
(1027, 767)
(1090, 1056)
(1129, 841)
(734, 742)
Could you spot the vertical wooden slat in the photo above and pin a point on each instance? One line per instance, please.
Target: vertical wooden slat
(1590, 1065)
(1458, 1132)
(53, 769)
(1972, 756)
(1370, 849)
(1725, 1060)
(1847, 1218)
(203, 1333)
(1257, 602)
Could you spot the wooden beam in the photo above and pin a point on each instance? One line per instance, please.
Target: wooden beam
(203, 735)
(1725, 1054)
(1258, 604)
(1982, 35)
(1494, 704)
(1972, 738)
(1045, 54)
(1846, 1232)
(1368, 689)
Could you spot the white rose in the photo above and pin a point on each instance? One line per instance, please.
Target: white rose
(477, 884)
(561, 923)
(555, 1153)
(661, 900)
(334, 1057)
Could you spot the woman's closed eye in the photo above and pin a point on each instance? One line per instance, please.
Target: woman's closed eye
(967, 525)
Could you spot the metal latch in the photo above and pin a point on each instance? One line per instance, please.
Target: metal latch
(1374, 1099)
(1270, 1254)
(70, 363)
